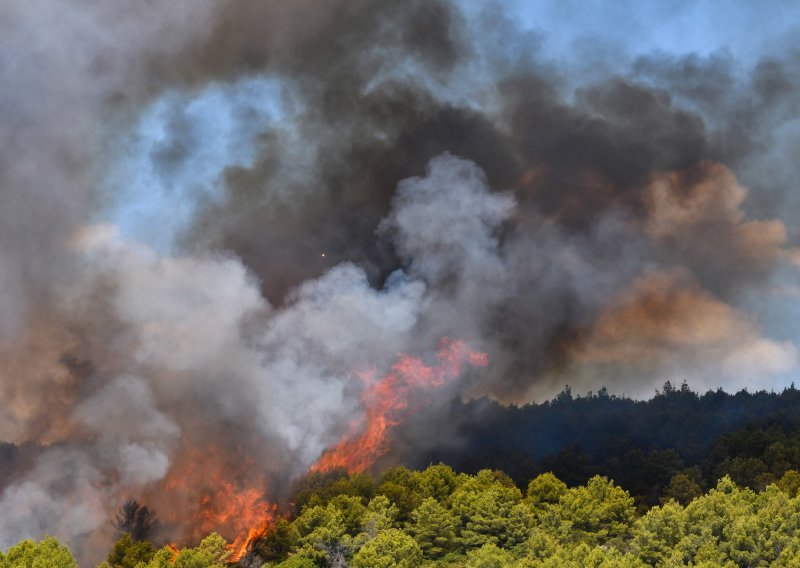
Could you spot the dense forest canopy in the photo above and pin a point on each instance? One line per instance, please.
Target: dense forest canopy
(436, 517)
(681, 479)
(638, 443)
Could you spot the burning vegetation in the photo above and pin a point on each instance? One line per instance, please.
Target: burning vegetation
(386, 399)
(234, 232)
(217, 489)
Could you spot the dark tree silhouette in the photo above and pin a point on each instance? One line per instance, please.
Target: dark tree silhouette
(136, 520)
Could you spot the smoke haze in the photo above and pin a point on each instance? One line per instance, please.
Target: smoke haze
(215, 213)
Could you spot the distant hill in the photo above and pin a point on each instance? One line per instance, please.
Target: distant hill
(640, 444)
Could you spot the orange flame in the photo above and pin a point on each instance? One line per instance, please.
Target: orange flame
(219, 491)
(384, 401)
(242, 543)
(175, 553)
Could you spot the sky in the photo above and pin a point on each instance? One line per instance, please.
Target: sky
(152, 205)
(745, 29)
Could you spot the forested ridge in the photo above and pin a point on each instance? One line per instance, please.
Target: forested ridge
(641, 444)
(679, 480)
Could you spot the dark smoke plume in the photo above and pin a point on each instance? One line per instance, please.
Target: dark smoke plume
(430, 171)
(136, 520)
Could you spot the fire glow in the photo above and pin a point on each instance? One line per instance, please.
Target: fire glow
(225, 495)
(235, 504)
(386, 399)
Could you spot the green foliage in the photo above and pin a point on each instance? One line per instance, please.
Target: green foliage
(318, 488)
(212, 552)
(434, 528)
(390, 549)
(401, 487)
(595, 513)
(438, 482)
(544, 491)
(488, 556)
(297, 562)
(128, 553)
(489, 510)
(48, 553)
(659, 532)
(319, 527)
(380, 514)
(790, 483)
(351, 512)
(483, 521)
(278, 541)
(753, 437)
(683, 487)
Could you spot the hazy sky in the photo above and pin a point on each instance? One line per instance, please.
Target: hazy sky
(586, 39)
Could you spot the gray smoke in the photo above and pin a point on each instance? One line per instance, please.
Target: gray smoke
(317, 187)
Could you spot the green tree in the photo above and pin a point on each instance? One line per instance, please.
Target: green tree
(128, 553)
(321, 532)
(318, 488)
(380, 514)
(277, 542)
(489, 556)
(739, 526)
(657, 533)
(790, 483)
(392, 548)
(434, 528)
(490, 510)
(544, 490)
(596, 512)
(682, 488)
(352, 512)
(438, 482)
(212, 552)
(583, 556)
(48, 553)
(401, 487)
(745, 471)
(297, 562)
(539, 546)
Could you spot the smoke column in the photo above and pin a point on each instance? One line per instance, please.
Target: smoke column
(213, 213)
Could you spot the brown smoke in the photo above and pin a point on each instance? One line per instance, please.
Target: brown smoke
(431, 174)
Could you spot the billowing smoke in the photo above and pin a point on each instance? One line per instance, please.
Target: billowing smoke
(215, 214)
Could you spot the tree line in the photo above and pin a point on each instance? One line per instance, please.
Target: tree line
(437, 517)
(643, 445)
(709, 480)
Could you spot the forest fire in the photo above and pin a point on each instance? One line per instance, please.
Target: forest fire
(244, 541)
(224, 495)
(221, 490)
(385, 399)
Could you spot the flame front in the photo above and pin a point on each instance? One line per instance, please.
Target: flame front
(224, 493)
(241, 545)
(219, 489)
(385, 399)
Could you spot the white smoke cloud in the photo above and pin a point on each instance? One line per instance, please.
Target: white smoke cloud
(446, 223)
(129, 430)
(62, 495)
